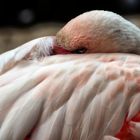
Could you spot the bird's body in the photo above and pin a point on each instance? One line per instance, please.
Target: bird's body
(71, 97)
(74, 97)
(77, 98)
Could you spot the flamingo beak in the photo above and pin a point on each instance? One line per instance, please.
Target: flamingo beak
(56, 48)
(59, 50)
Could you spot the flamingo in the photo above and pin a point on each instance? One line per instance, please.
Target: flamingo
(92, 93)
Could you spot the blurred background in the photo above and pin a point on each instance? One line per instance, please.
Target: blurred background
(21, 21)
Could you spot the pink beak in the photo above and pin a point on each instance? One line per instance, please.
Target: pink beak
(59, 50)
(56, 49)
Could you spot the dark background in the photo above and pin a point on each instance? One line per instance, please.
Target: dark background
(27, 12)
(25, 20)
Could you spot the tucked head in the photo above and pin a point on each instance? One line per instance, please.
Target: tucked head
(96, 31)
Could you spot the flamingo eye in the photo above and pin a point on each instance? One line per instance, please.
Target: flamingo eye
(80, 51)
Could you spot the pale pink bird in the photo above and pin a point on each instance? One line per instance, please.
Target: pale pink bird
(74, 97)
